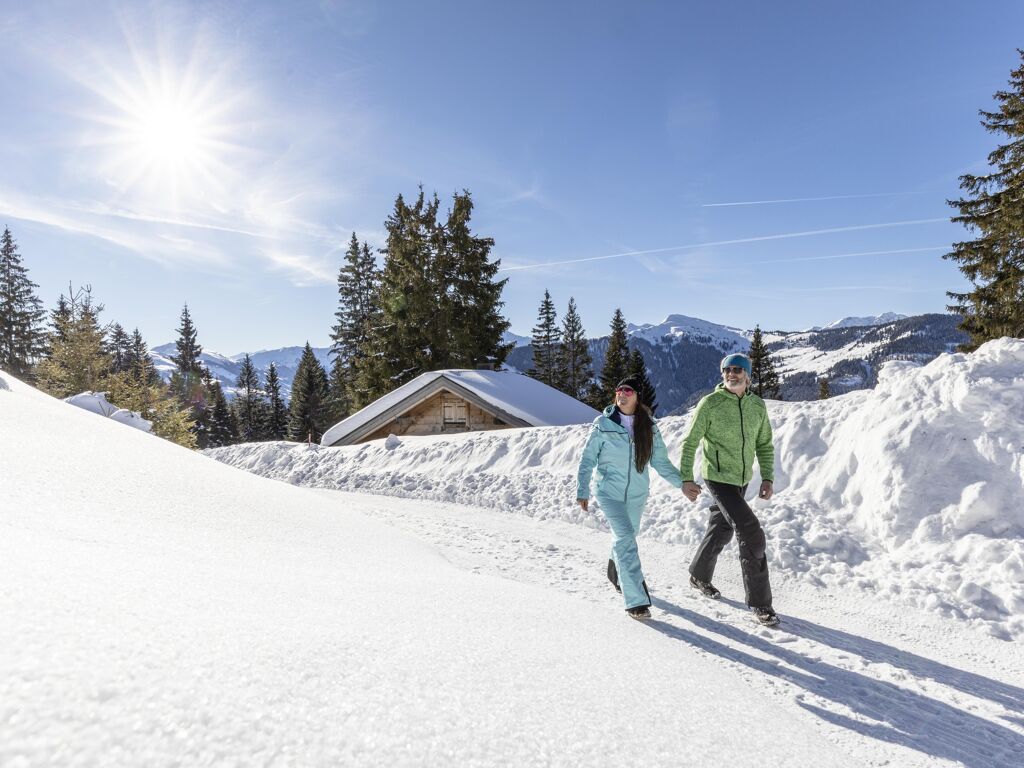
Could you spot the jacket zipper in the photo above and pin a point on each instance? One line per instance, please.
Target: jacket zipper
(629, 467)
(743, 440)
(718, 461)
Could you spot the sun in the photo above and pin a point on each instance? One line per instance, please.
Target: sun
(164, 130)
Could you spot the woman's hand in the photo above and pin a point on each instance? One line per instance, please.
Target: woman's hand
(691, 490)
(583, 503)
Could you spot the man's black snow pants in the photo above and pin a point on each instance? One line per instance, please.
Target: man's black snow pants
(729, 514)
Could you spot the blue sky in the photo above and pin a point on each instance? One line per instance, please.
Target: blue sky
(221, 153)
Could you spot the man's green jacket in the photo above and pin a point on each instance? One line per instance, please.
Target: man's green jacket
(734, 430)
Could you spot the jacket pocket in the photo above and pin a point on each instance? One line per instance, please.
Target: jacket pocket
(718, 461)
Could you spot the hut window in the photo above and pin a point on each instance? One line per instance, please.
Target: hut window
(454, 412)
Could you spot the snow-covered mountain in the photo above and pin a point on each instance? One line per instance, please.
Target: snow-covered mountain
(849, 322)
(683, 353)
(226, 369)
(162, 609)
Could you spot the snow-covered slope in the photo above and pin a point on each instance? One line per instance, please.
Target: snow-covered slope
(910, 491)
(160, 609)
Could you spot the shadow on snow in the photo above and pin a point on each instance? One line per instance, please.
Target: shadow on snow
(899, 716)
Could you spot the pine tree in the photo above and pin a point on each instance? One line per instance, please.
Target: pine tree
(249, 404)
(223, 427)
(994, 208)
(645, 389)
(22, 332)
(547, 345)
(477, 325)
(437, 299)
(78, 361)
(824, 390)
(358, 281)
(307, 414)
(119, 349)
(276, 426)
(764, 380)
(187, 380)
(405, 341)
(575, 362)
(616, 360)
(139, 361)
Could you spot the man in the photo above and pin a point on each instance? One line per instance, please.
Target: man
(732, 426)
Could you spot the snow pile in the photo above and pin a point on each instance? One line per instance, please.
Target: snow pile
(96, 402)
(184, 613)
(912, 490)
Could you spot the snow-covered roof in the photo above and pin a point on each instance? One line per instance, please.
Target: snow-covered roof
(528, 401)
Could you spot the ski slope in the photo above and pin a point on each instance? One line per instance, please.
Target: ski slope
(159, 608)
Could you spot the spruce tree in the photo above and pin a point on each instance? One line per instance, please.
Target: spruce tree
(994, 208)
(77, 360)
(187, 379)
(119, 349)
(764, 380)
(22, 331)
(547, 345)
(249, 405)
(824, 391)
(616, 360)
(477, 325)
(139, 361)
(575, 363)
(406, 341)
(223, 429)
(645, 389)
(276, 426)
(358, 281)
(307, 419)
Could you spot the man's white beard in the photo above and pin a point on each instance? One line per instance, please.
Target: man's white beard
(737, 386)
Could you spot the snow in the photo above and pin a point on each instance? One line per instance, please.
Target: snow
(700, 331)
(517, 395)
(96, 402)
(160, 608)
(911, 490)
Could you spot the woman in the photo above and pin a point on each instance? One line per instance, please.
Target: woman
(623, 443)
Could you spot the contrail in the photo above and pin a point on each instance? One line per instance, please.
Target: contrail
(812, 199)
(761, 238)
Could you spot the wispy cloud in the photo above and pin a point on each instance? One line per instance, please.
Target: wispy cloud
(736, 241)
(859, 253)
(813, 199)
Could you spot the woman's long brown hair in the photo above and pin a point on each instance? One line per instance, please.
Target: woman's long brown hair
(643, 435)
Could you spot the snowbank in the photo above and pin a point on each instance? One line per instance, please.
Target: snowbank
(96, 402)
(912, 490)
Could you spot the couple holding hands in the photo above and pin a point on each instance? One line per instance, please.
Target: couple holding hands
(731, 424)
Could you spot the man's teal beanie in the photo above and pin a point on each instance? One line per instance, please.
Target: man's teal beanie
(736, 359)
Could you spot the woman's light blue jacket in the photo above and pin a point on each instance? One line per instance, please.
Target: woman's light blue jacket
(610, 450)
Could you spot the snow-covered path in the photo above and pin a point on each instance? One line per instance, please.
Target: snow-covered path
(901, 687)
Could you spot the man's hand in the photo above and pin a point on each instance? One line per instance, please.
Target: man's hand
(583, 503)
(691, 490)
(766, 490)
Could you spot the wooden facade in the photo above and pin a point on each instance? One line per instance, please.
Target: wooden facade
(443, 413)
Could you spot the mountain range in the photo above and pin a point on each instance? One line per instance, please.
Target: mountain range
(683, 353)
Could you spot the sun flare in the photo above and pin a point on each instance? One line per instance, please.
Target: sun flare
(165, 129)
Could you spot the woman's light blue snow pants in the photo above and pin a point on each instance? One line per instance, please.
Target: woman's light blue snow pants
(624, 519)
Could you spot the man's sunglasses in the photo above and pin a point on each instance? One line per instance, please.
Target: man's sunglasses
(627, 391)
(734, 369)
